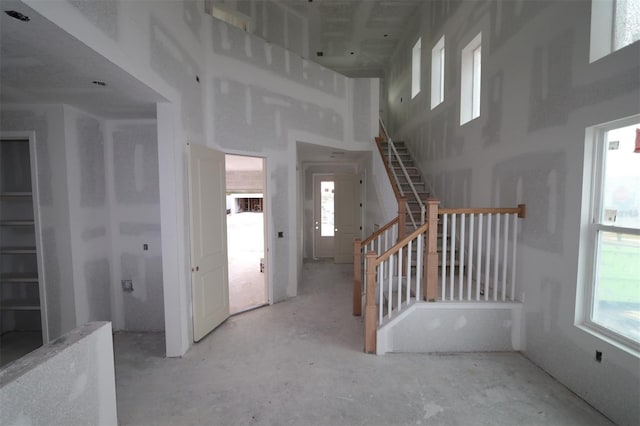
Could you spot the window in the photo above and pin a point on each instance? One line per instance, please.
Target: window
(437, 73)
(614, 25)
(613, 280)
(470, 80)
(415, 68)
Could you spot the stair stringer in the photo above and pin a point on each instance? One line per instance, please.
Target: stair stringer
(426, 327)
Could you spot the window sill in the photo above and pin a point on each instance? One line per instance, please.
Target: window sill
(469, 121)
(607, 336)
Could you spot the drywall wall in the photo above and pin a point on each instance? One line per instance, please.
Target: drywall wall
(264, 100)
(99, 205)
(70, 381)
(539, 93)
(453, 327)
(136, 243)
(232, 91)
(48, 124)
(88, 212)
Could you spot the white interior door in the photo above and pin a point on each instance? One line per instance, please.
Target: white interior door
(209, 267)
(346, 216)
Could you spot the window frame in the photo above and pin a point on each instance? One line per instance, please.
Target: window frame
(471, 80)
(416, 67)
(438, 58)
(595, 156)
(603, 29)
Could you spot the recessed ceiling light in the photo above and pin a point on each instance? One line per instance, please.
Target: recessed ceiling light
(352, 53)
(99, 83)
(386, 35)
(17, 15)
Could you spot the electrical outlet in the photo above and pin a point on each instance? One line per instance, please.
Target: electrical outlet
(598, 356)
(127, 285)
(145, 247)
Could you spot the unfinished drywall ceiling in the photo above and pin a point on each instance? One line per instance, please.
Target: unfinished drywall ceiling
(356, 38)
(63, 70)
(353, 37)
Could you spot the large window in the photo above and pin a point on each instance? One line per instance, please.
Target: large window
(613, 278)
(614, 25)
(437, 73)
(470, 80)
(416, 54)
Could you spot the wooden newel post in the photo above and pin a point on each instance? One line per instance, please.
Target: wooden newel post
(370, 312)
(357, 277)
(402, 217)
(431, 253)
(402, 227)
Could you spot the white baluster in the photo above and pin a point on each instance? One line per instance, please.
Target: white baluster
(445, 218)
(496, 256)
(479, 257)
(419, 267)
(390, 289)
(380, 291)
(399, 279)
(505, 257)
(462, 250)
(487, 258)
(452, 256)
(513, 256)
(409, 261)
(470, 269)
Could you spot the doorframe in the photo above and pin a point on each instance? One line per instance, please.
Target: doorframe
(315, 196)
(266, 218)
(35, 199)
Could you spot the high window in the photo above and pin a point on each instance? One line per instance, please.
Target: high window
(470, 80)
(437, 73)
(415, 68)
(612, 232)
(614, 25)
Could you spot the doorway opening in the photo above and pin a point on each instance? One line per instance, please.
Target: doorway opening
(245, 188)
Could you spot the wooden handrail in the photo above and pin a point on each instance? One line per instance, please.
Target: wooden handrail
(378, 232)
(387, 167)
(520, 210)
(393, 250)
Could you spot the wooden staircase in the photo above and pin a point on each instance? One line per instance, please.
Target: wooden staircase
(414, 176)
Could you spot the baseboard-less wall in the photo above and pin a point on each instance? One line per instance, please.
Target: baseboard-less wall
(72, 379)
(453, 327)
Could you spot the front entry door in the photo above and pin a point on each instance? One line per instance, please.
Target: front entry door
(346, 216)
(208, 230)
(323, 205)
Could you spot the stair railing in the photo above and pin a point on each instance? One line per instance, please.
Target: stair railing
(378, 242)
(479, 253)
(392, 153)
(396, 288)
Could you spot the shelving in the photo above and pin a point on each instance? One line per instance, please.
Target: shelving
(20, 305)
(18, 250)
(20, 285)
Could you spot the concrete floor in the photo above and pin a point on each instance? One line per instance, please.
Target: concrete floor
(245, 248)
(300, 362)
